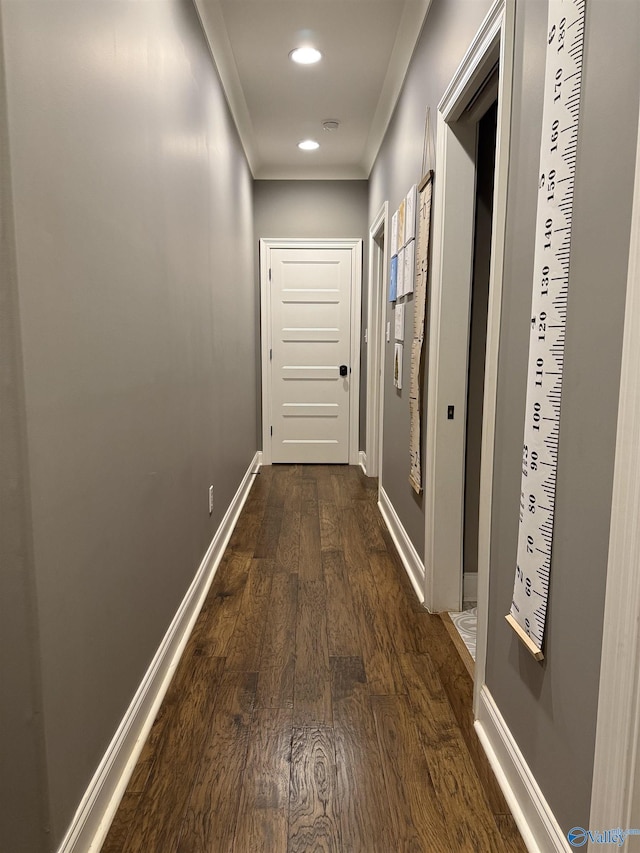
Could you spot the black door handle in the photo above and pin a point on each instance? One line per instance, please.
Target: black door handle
(343, 370)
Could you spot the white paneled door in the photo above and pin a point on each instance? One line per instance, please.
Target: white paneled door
(310, 294)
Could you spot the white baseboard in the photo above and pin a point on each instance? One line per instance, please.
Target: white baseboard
(470, 586)
(363, 461)
(91, 822)
(539, 829)
(408, 554)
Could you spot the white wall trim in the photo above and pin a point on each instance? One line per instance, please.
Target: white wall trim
(377, 288)
(451, 274)
(265, 343)
(408, 554)
(539, 829)
(98, 806)
(362, 457)
(615, 796)
(473, 68)
(356, 332)
(355, 245)
(494, 312)
(215, 31)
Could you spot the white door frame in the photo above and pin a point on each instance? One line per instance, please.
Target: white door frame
(375, 340)
(452, 262)
(615, 795)
(355, 246)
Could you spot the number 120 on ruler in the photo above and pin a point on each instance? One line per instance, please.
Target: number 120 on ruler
(563, 79)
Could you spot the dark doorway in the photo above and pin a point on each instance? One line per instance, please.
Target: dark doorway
(485, 172)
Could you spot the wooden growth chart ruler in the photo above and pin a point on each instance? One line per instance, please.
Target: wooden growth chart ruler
(558, 147)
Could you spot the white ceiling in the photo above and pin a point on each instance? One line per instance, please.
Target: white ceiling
(366, 46)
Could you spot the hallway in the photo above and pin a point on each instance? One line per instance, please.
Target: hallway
(317, 706)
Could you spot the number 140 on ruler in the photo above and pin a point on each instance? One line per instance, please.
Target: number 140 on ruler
(558, 147)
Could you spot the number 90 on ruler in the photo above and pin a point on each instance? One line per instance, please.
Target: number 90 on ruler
(549, 300)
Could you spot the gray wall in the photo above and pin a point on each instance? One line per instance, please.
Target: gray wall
(134, 243)
(551, 707)
(317, 210)
(23, 815)
(449, 28)
(313, 209)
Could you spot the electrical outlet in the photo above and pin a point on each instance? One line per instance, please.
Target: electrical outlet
(210, 499)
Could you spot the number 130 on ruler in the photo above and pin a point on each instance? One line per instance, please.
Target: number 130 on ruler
(558, 147)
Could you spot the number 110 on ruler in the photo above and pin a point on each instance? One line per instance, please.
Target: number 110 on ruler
(563, 80)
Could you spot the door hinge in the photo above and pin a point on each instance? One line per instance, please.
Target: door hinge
(271, 430)
(270, 355)
(269, 273)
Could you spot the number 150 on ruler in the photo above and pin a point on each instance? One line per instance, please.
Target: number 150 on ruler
(549, 301)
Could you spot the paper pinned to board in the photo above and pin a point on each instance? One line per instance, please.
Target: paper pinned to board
(410, 215)
(393, 279)
(394, 234)
(401, 215)
(423, 228)
(397, 365)
(399, 321)
(401, 271)
(409, 268)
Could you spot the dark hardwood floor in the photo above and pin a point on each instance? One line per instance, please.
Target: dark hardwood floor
(317, 706)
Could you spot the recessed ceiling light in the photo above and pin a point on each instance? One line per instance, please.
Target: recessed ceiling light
(308, 145)
(305, 55)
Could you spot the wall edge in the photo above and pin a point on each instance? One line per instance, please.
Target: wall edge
(404, 546)
(538, 826)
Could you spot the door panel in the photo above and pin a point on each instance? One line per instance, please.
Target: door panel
(310, 296)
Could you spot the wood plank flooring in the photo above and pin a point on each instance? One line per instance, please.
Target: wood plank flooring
(317, 707)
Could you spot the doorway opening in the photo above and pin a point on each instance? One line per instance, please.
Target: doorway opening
(470, 95)
(465, 620)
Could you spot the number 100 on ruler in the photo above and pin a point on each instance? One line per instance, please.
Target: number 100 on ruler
(563, 80)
